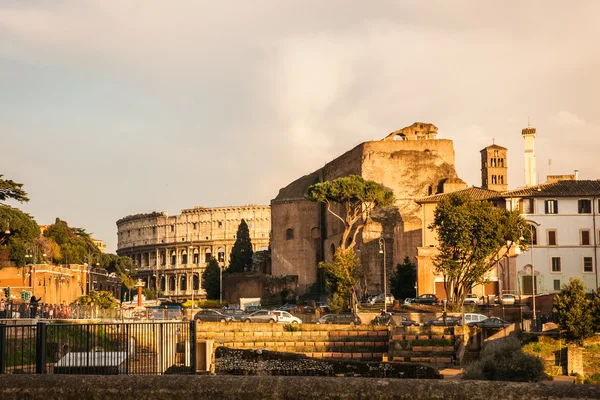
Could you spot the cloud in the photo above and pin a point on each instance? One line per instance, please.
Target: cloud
(568, 118)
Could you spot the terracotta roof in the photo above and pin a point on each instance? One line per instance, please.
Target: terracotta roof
(475, 192)
(494, 146)
(566, 188)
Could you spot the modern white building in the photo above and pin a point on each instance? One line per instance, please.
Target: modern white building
(565, 227)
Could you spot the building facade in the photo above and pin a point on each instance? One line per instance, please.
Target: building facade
(494, 168)
(412, 162)
(171, 252)
(563, 216)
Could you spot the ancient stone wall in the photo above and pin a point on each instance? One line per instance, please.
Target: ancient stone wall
(171, 252)
(411, 168)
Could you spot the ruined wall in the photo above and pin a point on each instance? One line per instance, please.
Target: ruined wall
(411, 168)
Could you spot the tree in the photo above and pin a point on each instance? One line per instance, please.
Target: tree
(596, 311)
(573, 311)
(472, 236)
(241, 253)
(403, 280)
(358, 198)
(12, 190)
(211, 280)
(341, 277)
(101, 299)
(76, 246)
(123, 266)
(19, 232)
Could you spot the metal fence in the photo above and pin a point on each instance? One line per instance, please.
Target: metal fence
(134, 348)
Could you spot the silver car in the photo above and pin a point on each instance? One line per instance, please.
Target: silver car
(261, 316)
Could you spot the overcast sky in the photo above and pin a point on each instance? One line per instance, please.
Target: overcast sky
(111, 108)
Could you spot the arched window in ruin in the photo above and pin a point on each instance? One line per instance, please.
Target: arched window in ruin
(161, 284)
(399, 136)
(221, 254)
(172, 283)
(196, 257)
(332, 249)
(195, 282)
(315, 233)
(429, 190)
(289, 234)
(182, 283)
(184, 257)
(207, 255)
(163, 258)
(173, 257)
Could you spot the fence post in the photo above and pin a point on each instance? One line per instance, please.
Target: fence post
(193, 344)
(3, 355)
(40, 347)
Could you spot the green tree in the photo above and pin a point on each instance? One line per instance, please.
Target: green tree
(102, 299)
(76, 246)
(403, 280)
(358, 198)
(341, 277)
(596, 311)
(211, 281)
(472, 236)
(122, 266)
(19, 232)
(241, 253)
(573, 311)
(12, 190)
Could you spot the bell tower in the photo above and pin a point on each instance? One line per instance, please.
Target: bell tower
(494, 168)
(530, 170)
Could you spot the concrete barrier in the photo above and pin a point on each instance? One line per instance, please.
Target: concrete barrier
(176, 387)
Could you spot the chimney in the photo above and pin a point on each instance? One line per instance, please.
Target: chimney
(576, 174)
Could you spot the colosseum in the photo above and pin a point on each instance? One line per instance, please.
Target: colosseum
(171, 251)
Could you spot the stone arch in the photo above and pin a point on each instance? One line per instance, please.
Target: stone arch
(399, 137)
(195, 282)
(182, 282)
(162, 283)
(184, 257)
(221, 254)
(207, 255)
(172, 283)
(173, 257)
(289, 234)
(315, 233)
(332, 249)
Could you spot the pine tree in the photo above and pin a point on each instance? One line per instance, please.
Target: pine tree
(573, 311)
(241, 254)
(211, 280)
(404, 279)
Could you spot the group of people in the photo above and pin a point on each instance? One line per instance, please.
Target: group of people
(34, 309)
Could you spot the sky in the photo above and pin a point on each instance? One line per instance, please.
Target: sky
(112, 107)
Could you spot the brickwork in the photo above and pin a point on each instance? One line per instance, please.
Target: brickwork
(318, 341)
(411, 168)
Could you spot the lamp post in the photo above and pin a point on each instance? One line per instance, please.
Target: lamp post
(220, 284)
(532, 277)
(382, 251)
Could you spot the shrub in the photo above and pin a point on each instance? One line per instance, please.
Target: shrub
(505, 361)
(291, 328)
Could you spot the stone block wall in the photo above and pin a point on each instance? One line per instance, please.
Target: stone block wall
(318, 341)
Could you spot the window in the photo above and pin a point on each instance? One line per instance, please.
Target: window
(195, 225)
(588, 266)
(172, 228)
(220, 224)
(584, 206)
(556, 264)
(585, 238)
(526, 206)
(557, 284)
(533, 235)
(495, 153)
(289, 234)
(184, 258)
(551, 238)
(221, 255)
(551, 206)
(332, 249)
(173, 258)
(207, 255)
(494, 180)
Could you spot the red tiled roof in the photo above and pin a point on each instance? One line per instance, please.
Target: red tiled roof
(475, 193)
(566, 188)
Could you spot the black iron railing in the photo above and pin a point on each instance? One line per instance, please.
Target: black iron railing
(135, 348)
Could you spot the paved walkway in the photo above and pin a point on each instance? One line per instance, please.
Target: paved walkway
(452, 373)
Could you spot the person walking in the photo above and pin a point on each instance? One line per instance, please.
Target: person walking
(33, 306)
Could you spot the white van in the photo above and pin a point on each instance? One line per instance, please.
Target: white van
(471, 318)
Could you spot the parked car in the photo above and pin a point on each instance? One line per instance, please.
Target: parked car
(389, 299)
(426, 299)
(261, 316)
(236, 314)
(285, 317)
(342, 318)
(251, 309)
(382, 319)
(471, 318)
(286, 307)
(441, 321)
(165, 312)
(409, 322)
(492, 323)
(212, 316)
(507, 299)
(471, 299)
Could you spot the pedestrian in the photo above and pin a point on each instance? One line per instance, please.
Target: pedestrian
(33, 304)
(2, 309)
(444, 317)
(51, 312)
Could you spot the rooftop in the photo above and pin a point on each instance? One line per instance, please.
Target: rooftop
(475, 192)
(566, 188)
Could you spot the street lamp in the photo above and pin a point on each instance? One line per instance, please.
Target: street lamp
(382, 251)
(192, 262)
(532, 277)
